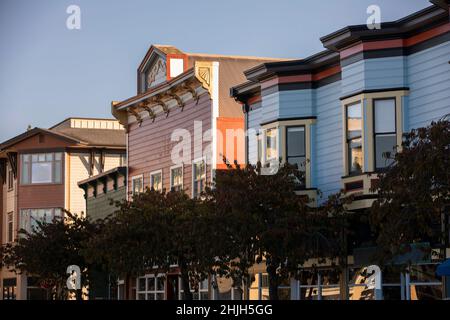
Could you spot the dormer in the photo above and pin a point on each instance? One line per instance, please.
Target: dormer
(160, 64)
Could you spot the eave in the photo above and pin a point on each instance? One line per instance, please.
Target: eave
(402, 28)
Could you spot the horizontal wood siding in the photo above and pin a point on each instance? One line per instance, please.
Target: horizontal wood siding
(296, 103)
(429, 83)
(372, 74)
(150, 145)
(327, 164)
(254, 120)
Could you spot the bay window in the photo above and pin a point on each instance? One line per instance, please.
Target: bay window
(176, 178)
(41, 168)
(354, 138)
(385, 133)
(30, 218)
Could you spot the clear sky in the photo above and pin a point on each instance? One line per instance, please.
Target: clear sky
(48, 72)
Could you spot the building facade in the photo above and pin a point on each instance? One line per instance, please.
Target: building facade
(180, 126)
(339, 112)
(40, 170)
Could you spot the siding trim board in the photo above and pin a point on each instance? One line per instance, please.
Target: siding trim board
(373, 91)
(395, 52)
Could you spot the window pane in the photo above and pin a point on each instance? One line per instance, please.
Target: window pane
(156, 181)
(299, 161)
(384, 115)
(26, 157)
(160, 284)
(41, 157)
(354, 124)
(141, 284)
(25, 177)
(41, 172)
(271, 144)
(57, 173)
(384, 143)
(151, 284)
(177, 177)
(295, 141)
(137, 185)
(355, 156)
(58, 156)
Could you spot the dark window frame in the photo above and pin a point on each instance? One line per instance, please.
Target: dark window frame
(30, 170)
(375, 134)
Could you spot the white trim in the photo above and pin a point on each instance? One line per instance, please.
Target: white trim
(160, 171)
(214, 113)
(146, 292)
(182, 175)
(136, 177)
(192, 175)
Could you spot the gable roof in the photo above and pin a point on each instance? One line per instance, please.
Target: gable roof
(83, 137)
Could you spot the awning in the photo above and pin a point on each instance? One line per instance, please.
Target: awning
(443, 269)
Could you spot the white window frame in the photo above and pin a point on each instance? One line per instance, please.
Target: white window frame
(182, 175)
(134, 178)
(29, 210)
(277, 137)
(153, 173)
(201, 289)
(196, 161)
(148, 292)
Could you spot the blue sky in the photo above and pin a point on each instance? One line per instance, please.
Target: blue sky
(48, 72)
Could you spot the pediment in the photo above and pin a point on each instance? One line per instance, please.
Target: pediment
(155, 73)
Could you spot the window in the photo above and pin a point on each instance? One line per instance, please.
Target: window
(271, 144)
(29, 218)
(295, 146)
(259, 141)
(41, 168)
(150, 288)
(354, 138)
(156, 180)
(10, 179)
(10, 227)
(199, 177)
(385, 131)
(137, 185)
(176, 178)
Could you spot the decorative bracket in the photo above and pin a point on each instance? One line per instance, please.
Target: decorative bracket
(136, 115)
(178, 99)
(165, 107)
(151, 113)
(192, 92)
(12, 158)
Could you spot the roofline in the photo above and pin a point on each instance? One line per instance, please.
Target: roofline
(309, 64)
(119, 170)
(224, 56)
(190, 73)
(394, 29)
(33, 132)
(81, 118)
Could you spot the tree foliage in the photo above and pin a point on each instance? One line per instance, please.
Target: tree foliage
(46, 251)
(414, 193)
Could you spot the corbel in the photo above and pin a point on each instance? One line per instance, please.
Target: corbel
(165, 107)
(178, 99)
(192, 92)
(136, 115)
(150, 111)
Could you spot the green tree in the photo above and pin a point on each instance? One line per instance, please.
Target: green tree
(46, 251)
(151, 234)
(260, 218)
(413, 193)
